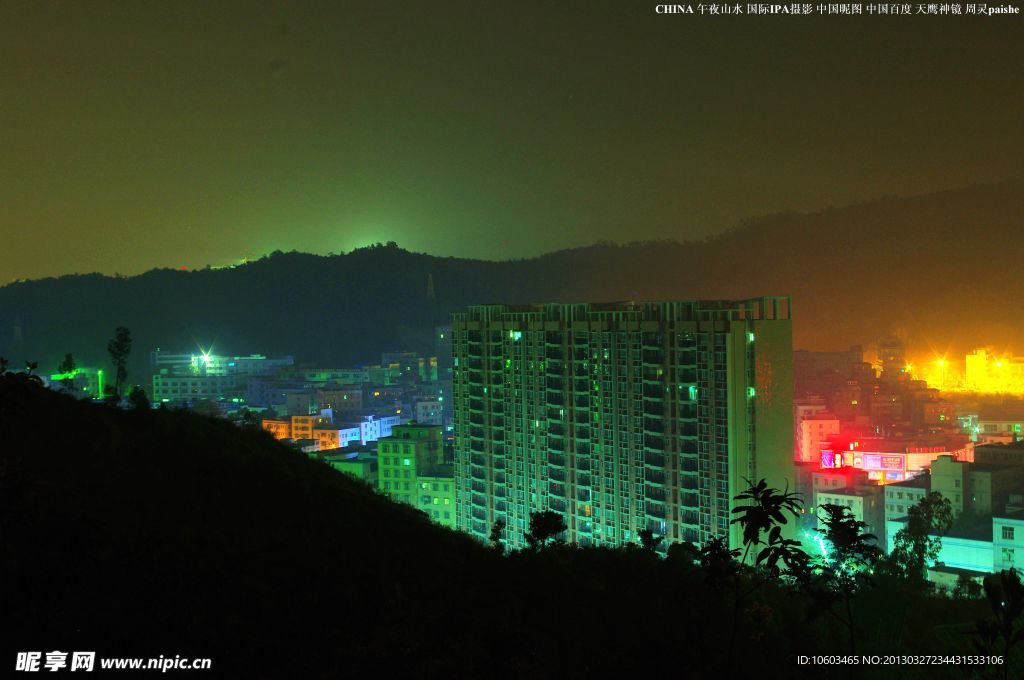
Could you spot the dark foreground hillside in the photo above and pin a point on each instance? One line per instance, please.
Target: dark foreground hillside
(165, 533)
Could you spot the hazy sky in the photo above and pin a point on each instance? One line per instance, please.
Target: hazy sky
(135, 135)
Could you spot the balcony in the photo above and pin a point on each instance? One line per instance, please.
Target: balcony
(652, 476)
(654, 391)
(654, 493)
(654, 460)
(653, 356)
(655, 510)
(654, 443)
(654, 408)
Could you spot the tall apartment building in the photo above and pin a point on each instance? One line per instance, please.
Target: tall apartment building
(620, 416)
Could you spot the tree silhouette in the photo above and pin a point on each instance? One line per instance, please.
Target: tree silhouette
(67, 371)
(497, 531)
(1005, 630)
(545, 529)
(763, 514)
(119, 348)
(850, 556)
(649, 540)
(718, 561)
(967, 588)
(138, 399)
(918, 543)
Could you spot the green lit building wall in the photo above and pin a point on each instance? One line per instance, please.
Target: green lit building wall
(411, 470)
(435, 494)
(620, 417)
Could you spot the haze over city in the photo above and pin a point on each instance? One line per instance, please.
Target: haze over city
(186, 134)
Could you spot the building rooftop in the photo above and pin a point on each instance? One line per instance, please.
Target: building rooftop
(957, 571)
(339, 456)
(916, 482)
(1015, 515)
(1012, 446)
(982, 531)
(866, 490)
(990, 467)
(767, 307)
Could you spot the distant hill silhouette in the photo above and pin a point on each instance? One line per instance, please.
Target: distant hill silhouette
(162, 532)
(940, 269)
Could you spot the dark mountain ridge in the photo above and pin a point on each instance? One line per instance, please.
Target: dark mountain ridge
(938, 269)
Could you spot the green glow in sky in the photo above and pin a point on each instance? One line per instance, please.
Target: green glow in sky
(169, 135)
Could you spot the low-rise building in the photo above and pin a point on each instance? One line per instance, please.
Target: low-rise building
(1008, 541)
(412, 470)
(976, 488)
(359, 464)
(865, 502)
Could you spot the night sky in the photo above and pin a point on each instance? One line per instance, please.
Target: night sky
(137, 135)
